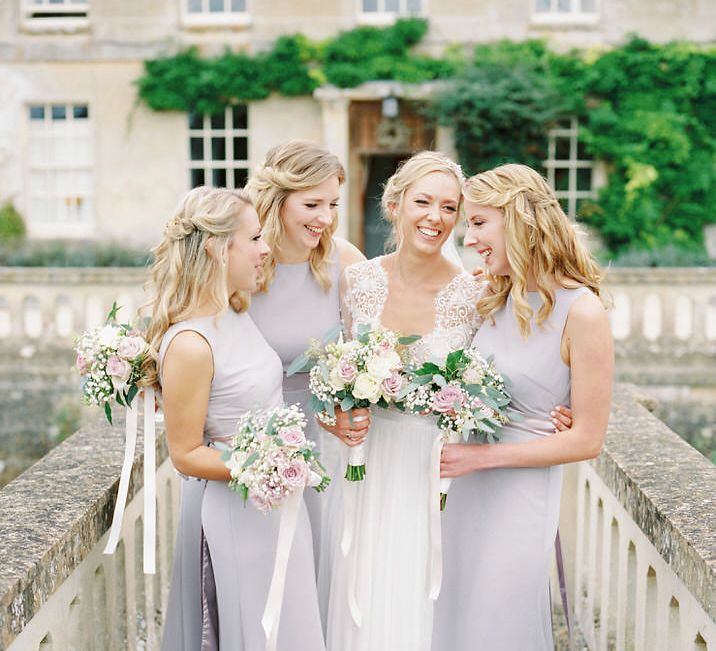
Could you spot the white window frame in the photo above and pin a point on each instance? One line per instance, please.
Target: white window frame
(571, 164)
(43, 129)
(206, 18)
(574, 16)
(382, 17)
(206, 133)
(73, 15)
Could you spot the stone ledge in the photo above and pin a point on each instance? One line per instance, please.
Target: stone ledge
(53, 514)
(667, 487)
(134, 276)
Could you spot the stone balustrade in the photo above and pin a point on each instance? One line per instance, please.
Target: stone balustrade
(637, 527)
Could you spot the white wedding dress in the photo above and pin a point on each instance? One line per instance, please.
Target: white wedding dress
(380, 594)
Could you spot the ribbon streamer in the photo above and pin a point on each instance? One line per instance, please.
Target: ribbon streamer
(350, 489)
(435, 576)
(286, 531)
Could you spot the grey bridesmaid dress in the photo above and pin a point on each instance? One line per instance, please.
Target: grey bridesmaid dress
(499, 526)
(295, 309)
(239, 542)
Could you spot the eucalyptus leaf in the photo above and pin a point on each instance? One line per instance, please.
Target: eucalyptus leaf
(249, 460)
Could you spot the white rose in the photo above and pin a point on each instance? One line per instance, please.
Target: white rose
(335, 379)
(381, 367)
(235, 463)
(108, 336)
(366, 388)
(314, 479)
(472, 375)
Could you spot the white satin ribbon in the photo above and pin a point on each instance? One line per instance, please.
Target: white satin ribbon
(150, 492)
(350, 489)
(286, 530)
(435, 569)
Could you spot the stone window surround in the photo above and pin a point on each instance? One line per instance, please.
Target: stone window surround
(207, 19)
(573, 16)
(225, 136)
(44, 129)
(382, 17)
(41, 17)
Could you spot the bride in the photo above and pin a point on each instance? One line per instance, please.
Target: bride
(388, 603)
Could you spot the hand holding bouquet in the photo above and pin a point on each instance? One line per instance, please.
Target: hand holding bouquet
(109, 361)
(270, 457)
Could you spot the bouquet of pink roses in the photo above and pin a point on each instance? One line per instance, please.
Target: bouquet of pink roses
(270, 457)
(359, 373)
(467, 395)
(109, 361)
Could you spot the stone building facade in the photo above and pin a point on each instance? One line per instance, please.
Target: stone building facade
(80, 157)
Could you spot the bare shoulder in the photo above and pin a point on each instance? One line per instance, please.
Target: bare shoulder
(190, 350)
(348, 253)
(587, 314)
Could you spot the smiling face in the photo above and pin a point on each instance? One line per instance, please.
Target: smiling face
(486, 234)
(245, 253)
(427, 212)
(305, 215)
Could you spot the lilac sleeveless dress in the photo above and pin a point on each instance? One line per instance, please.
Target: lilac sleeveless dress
(499, 525)
(240, 541)
(295, 309)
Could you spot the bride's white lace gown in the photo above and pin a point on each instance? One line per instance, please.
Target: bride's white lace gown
(391, 548)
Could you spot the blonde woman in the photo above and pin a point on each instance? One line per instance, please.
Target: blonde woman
(549, 333)
(212, 365)
(413, 291)
(296, 192)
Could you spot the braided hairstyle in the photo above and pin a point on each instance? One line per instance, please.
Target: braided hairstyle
(291, 166)
(539, 239)
(184, 275)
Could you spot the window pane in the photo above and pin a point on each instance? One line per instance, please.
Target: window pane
(561, 179)
(241, 176)
(370, 5)
(59, 112)
(196, 149)
(415, 6)
(196, 121)
(238, 5)
(80, 112)
(239, 116)
(218, 149)
(584, 178)
(542, 6)
(588, 6)
(561, 150)
(37, 112)
(194, 6)
(563, 6)
(197, 178)
(218, 121)
(241, 148)
(582, 153)
(392, 6)
(216, 6)
(218, 178)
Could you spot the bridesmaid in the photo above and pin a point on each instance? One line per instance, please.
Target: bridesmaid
(212, 365)
(549, 333)
(296, 193)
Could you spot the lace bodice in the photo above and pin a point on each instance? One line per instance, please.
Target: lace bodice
(363, 298)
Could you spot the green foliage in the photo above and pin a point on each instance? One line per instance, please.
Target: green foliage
(12, 226)
(70, 254)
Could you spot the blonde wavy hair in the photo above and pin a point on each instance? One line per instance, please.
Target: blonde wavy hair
(184, 274)
(539, 239)
(289, 167)
(408, 172)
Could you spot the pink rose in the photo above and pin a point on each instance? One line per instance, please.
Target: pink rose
(347, 370)
(392, 385)
(448, 398)
(119, 370)
(131, 347)
(83, 364)
(293, 438)
(295, 474)
(260, 502)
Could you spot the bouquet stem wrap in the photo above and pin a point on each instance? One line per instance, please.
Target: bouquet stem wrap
(150, 489)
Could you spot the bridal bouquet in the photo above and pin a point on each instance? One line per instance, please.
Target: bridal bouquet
(365, 371)
(270, 457)
(467, 395)
(109, 361)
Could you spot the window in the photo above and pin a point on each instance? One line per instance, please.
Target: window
(565, 11)
(569, 170)
(59, 183)
(385, 11)
(44, 14)
(219, 148)
(215, 12)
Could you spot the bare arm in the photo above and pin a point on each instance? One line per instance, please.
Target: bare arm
(186, 383)
(591, 358)
(348, 254)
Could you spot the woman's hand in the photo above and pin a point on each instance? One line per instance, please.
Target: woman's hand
(351, 433)
(458, 459)
(561, 418)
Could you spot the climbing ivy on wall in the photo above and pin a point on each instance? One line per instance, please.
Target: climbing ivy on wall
(648, 111)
